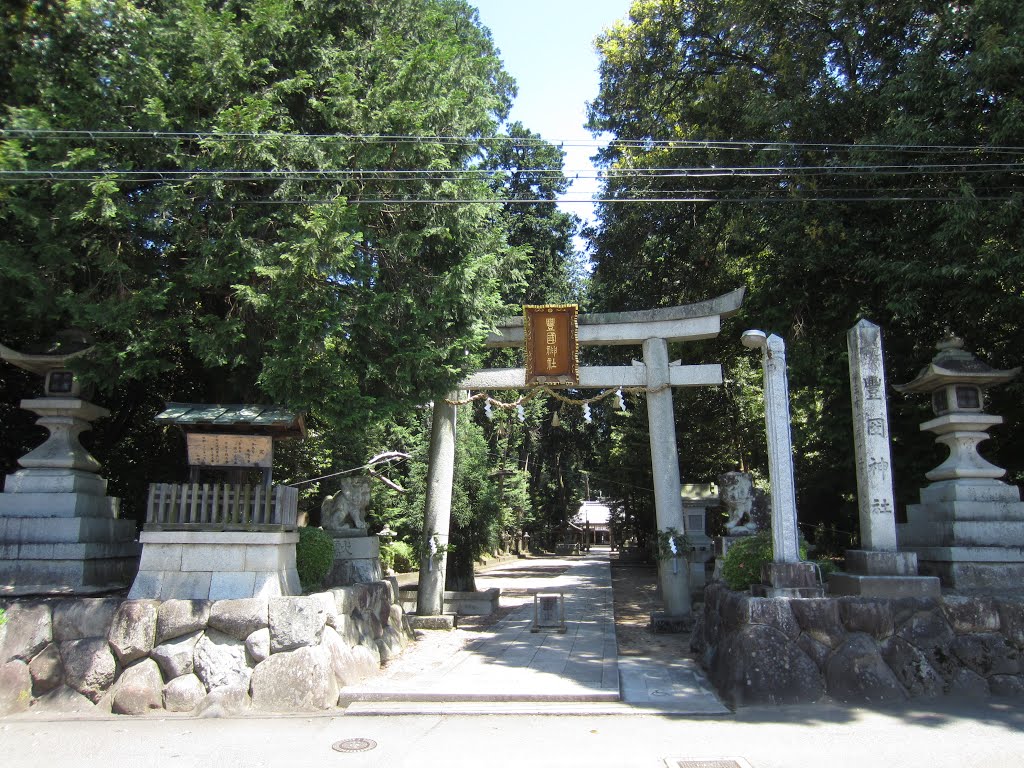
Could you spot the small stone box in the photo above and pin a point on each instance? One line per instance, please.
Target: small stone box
(548, 611)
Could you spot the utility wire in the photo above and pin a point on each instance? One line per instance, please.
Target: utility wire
(326, 174)
(735, 144)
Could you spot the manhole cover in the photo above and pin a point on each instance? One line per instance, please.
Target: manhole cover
(354, 745)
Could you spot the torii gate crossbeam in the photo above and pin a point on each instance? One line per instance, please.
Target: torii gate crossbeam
(653, 329)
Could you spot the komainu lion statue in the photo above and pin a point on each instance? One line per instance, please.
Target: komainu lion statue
(346, 509)
(736, 494)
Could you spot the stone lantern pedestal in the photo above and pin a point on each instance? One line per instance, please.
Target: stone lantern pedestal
(59, 531)
(968, 528)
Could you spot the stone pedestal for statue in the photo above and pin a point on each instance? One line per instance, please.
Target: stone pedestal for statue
(968, 528)
(356, 559)
(356, 553)
(59, 531)
(877, 570)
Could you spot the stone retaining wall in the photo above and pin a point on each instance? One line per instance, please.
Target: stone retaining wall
(859, 650)
(138, 656)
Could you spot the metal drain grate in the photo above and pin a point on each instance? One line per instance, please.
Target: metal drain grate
(697, 762)
(354, 745)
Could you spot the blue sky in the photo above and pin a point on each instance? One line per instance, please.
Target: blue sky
(548, 47)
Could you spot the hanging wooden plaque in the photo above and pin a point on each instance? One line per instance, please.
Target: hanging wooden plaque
(206, 450)
(552, 347)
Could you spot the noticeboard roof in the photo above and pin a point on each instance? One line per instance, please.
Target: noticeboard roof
(252, 419)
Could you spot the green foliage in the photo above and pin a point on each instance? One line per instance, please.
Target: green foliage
(823, 96)
(741, 566)
(225, 246)
(314, 555)
(398, 556)
(3, 617)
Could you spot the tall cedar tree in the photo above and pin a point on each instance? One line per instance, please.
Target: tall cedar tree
(889, 138)
(233, 219)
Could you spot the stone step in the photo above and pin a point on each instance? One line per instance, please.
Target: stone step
(555, 690)
(674, 707)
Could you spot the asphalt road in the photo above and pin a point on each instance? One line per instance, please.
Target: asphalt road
(958, 734)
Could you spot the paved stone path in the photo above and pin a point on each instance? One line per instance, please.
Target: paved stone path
(513, 670)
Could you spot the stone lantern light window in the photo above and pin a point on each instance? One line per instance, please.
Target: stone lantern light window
(60, 383)
(968, 398)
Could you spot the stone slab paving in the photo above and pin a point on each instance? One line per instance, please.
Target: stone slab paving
(513, 670)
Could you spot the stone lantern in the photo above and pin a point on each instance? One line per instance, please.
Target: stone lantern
(968, 528)
(59, 531)
(956, 381)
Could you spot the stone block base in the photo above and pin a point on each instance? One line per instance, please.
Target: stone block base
(210, 565)
(356, 561)
(63, 542)
(788, 580)
(970, 576)
(872, 563)
(442, 622)
(77, 576)
(482, 603)
(969, 533)
(882, 574)
(888, 587)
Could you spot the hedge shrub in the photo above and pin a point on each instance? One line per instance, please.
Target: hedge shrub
(314, 556)
(742, 564)
(398, 556)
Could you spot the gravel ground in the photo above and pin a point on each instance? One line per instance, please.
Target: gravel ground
(635, 592)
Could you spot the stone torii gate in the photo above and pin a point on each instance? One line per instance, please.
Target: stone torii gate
(653, 330)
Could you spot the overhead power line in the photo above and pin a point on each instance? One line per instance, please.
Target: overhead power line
(475, 173)
(673, 143)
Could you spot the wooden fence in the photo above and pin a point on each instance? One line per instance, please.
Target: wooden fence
(221, 507)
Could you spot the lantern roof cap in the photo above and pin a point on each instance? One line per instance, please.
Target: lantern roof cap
(954, 365)
(52, 355)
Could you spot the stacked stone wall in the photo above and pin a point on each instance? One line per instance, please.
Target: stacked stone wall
(859, 650)
(135, 657)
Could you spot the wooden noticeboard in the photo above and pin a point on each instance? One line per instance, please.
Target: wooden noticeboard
(209, 450)
(552, 348)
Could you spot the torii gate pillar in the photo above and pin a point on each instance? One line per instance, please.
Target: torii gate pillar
(437, 509)
(668, 503)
